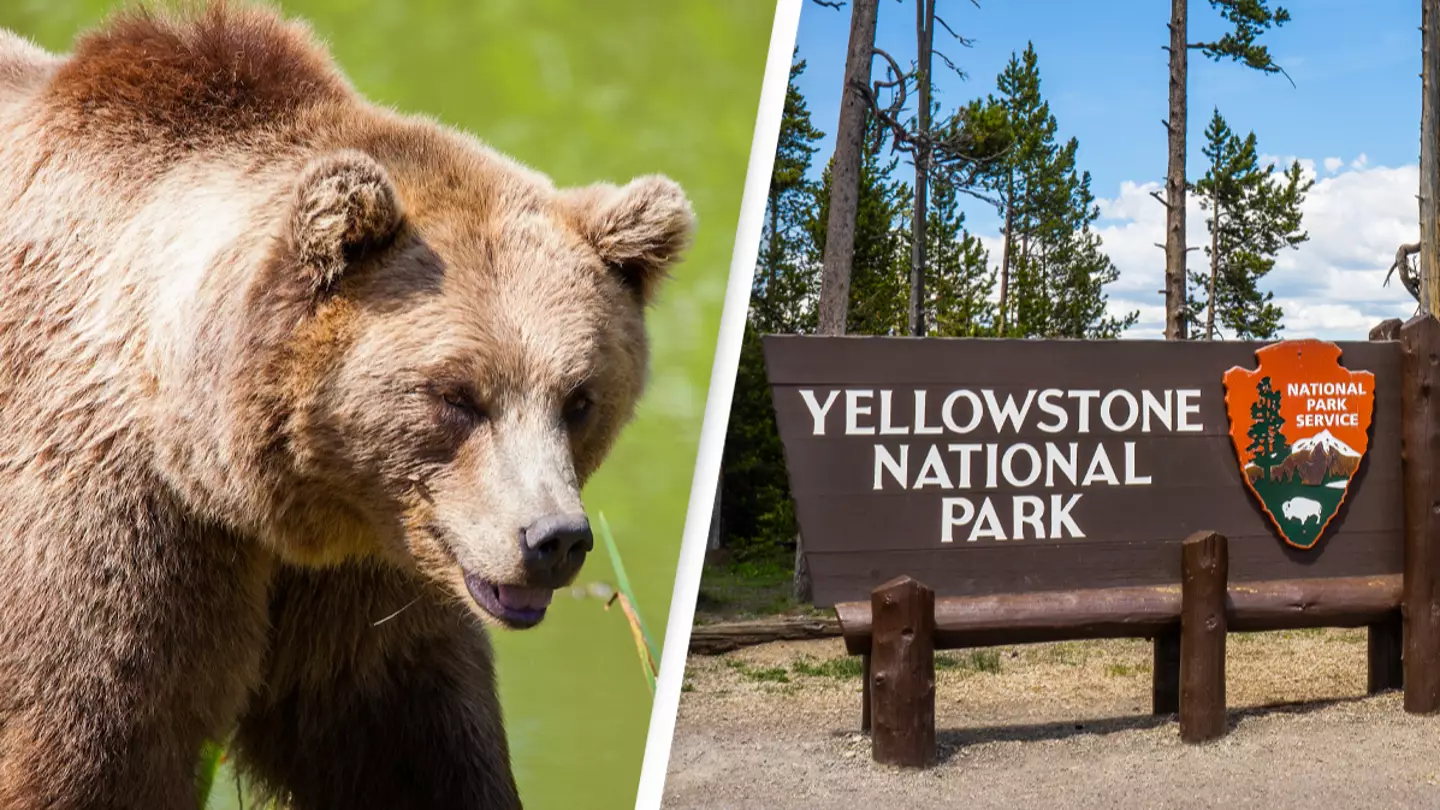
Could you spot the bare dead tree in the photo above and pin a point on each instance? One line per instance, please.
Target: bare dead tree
(948, 148)
(924, 47)
(1175, 327)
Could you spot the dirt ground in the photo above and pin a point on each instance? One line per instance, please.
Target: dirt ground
(1066, 725)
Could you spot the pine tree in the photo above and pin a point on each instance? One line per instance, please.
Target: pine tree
(961, 280)
(1032, 130)
(786, 282)
(1254, 213)
(1083, 269)
(1052, 268)
(1268, 444)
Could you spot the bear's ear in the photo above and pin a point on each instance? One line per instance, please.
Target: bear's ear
(344, 206)
(640, 230)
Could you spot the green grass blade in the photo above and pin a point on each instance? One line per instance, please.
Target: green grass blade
(210, 756)
(623, 583)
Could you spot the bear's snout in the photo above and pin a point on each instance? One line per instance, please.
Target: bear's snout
(554, 546)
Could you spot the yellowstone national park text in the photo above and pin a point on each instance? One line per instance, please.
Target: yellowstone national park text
(1039, 449)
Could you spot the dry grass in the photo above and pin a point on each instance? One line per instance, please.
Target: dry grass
(1067, 679)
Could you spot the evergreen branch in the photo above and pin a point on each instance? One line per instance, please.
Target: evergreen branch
(829, 3)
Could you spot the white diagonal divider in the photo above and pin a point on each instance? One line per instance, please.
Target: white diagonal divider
(717, 405)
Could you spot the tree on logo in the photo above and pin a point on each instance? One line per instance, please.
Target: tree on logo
(1267, 443)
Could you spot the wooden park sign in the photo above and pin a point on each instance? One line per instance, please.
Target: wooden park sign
(1035, 490)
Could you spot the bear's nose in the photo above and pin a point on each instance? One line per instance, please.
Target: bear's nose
(553, 540)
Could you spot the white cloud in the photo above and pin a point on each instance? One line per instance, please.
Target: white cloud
(1333, 164)
(1329, 287)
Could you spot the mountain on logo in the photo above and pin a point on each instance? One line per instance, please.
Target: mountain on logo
(1316, 461)
(1327, 441)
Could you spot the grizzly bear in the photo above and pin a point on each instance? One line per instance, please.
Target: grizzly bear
(297, 397)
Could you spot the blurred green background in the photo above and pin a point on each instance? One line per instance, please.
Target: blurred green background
(583, 91)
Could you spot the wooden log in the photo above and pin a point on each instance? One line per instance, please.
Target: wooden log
(865, 697)
(1204, 567)
(902, 688)
(1141, 612)
(1420, 443)
(1292, 604)
(981, 621)
(1384, 664)
(1165, 674)
(722, 637)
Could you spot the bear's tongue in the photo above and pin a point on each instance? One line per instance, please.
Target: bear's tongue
(514, 597)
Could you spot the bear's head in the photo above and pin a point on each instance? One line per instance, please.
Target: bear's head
(470, 341)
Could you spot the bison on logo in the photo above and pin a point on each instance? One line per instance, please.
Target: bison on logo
(1300, 427)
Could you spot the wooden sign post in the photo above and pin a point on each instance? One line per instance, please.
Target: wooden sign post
(1420, 343)
(1205, 565)
(902, 673)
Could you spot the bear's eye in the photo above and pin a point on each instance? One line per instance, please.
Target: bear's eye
(577, 407)
(459, 402)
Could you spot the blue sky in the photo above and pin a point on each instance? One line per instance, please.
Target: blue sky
(1353, 115)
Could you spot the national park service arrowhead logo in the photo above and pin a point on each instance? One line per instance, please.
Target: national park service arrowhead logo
(1300, 427)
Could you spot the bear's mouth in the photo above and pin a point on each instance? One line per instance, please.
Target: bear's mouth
(515, 606)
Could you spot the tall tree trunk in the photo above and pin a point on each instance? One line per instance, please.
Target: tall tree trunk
(770, 248)
(925, 41)
(1214, 263)
(1005, 252)
(1175, 179)
(1429, 170)
(767, 304)
(1025, 271)
(845, 171)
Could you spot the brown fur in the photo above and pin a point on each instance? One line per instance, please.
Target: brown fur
(278, 370)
